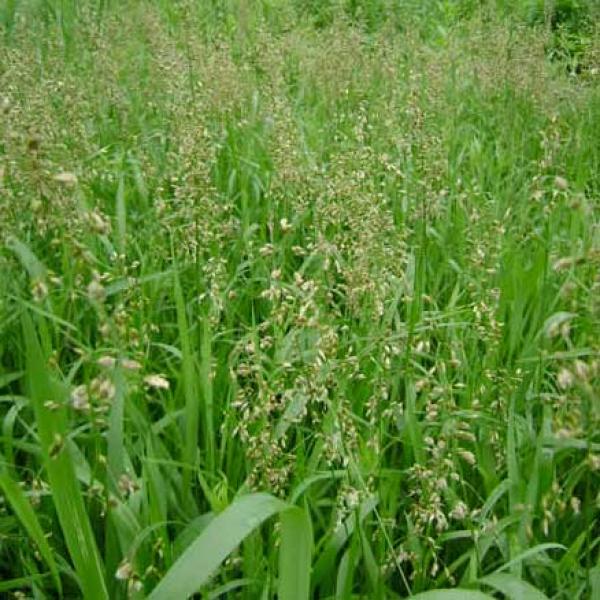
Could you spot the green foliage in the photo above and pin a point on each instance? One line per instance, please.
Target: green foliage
(220, 537)
(572, 14)
(299, 299)
(571, 23)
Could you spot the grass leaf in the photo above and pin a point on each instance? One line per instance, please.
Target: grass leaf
(22, 508)
(220, 537)
(513, 587)
(295, 555)
(66, 494)
(456, 594)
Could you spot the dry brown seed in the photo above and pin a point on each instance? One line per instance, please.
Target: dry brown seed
(565, 379)
(104, 388)
(79, 398)
(467, 456)
(157, 381)
(564, 263)
(560, 183)
(576, 504)
(460, 511)
(125, 571)
(96, 291)
(39, 290)
(66, 178)
(107, 362)
(582, 370)
(127, 485)
(131, 365)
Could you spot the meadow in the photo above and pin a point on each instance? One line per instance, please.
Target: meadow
(300, 299)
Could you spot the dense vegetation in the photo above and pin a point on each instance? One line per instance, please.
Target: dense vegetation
(299, 298)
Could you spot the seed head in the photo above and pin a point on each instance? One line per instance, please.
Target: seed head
(96, 291)
(125, 571)
(157, 381)
(560, 183)
(80, 399)
(565, 379)
(66, 178)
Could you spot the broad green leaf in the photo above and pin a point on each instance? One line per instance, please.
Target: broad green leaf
(513, 587)
(295, 555)
(191, 532)
(221, 536)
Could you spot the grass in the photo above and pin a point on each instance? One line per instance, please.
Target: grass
(299, 299)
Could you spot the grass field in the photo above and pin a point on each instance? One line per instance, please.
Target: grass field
(299, 299)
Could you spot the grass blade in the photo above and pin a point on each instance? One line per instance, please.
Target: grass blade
(512, 587)
(20, 582)
(221, 536)
(340, 536)
(66, 493)
(32, 264)
(121, 216)
(517, 560)
(452, 595)
(295, 555)
(192, 399)
(27, 516)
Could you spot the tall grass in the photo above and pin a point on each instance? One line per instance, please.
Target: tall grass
(299, 300)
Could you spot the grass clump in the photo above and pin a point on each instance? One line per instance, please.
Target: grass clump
(297, 300)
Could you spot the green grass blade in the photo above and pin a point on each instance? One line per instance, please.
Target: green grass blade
(29, 260)
(29, 520)
(206, 386)
(20, 582)
(512, 587)
(221, 536)
(121, 216)
(517, 560)
(66, 493)
(115, 435)
(295, 555)
(192, 399)
(326, 561)
(452, 595)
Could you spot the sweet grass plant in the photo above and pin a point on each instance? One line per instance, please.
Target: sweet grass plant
(299, 299)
